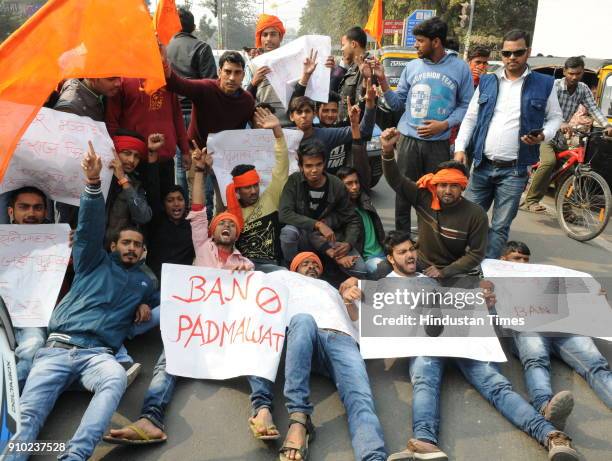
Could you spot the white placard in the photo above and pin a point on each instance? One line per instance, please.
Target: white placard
(49, 155)
(286, 65)
(250, 147)
(33, 262)
(552, 299)
(219, 325)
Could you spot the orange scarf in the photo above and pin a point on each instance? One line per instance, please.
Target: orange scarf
(265, 21)
(445, 176)
(303, 256)
(244, 180)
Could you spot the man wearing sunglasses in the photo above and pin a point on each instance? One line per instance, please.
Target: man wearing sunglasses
(511, 113)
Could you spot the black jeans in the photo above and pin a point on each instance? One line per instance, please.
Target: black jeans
(415, 158)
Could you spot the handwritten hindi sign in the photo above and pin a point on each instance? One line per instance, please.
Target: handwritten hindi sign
(549, 299)
(218, 325)
(33, 261)
(286, 67)
(251, 147)
(49, 155)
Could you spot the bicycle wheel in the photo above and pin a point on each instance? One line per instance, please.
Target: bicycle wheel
(583, 205)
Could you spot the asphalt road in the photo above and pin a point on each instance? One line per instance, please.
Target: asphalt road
(207, 420)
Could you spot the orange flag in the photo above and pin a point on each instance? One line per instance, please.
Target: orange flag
(166, 20)
(71, 39)
(374, 27)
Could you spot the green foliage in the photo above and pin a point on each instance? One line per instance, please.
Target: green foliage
(206, 28)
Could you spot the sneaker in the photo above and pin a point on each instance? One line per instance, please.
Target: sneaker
(132, 369)
(419, 450)
(560, 448)
(559, 408)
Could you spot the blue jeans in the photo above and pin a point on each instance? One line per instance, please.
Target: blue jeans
(579, 352)
(294, 241)
(162, 386)
(29, 340)
(426, 376)
(336, 356)
(138, 329)
(53, 371)
(501, 187)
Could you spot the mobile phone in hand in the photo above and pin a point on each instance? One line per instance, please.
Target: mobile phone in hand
(536, 132)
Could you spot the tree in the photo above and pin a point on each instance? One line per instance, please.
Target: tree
(9, 22)
(206, 28)
(236, 21)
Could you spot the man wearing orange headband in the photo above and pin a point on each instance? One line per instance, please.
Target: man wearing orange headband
(452, 230)
(258, 213)
(323, 336)
(127, 202)
(269, 33)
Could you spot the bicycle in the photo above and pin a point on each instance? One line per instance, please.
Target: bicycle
(583, 199)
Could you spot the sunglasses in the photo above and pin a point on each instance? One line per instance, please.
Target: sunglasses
(516, 53)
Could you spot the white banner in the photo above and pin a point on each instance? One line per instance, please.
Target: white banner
(33, 261)
(49, 155)
(218, 325)
(286, 64)
(550, 299)
(250, 147)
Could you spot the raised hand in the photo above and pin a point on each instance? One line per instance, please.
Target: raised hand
(365, 67)
(310, 63)
(155, 141)
(353, 112)
(265, 118)
(117, 166)
(92, 164)
(370, 96)
(330, 62)
(389, 139)
(202, 160)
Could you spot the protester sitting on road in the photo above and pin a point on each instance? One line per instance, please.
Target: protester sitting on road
(372, 232)
(89, 325)
(27, 205)
(217, 251)
(333, 352)
(269, 33)
(302, 111)
(258, 213)
(318, 214)
(127, 203)
(579, 352)
(132, 109)
(426, 377)
(452, 230)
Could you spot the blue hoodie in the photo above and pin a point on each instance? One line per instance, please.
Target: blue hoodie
(432, 91)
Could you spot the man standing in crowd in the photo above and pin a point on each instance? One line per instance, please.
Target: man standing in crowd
(571, 92)
(269, 33)
(511, 113)
(318, 214)
(579, 352)
(89, 325)
(323, 337)
(132, 109)
(434, 91)
(478, 60)
(260, 239)
(27, 205)
(452, 230)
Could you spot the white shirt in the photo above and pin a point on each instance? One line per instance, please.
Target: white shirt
(503, 139)
(395, 274)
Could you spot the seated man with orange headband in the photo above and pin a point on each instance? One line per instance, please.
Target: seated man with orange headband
(452, 230)
(322, 336)
(258, 213)
(269, 33)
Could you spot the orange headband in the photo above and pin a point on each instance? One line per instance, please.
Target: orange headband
(265, 21)
(220, 217)
(303, 256)
(446, 176)
(244, 180)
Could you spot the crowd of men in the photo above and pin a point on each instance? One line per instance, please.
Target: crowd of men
(319, 222)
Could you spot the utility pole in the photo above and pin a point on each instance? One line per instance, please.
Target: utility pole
(468, 36)
(220, 27)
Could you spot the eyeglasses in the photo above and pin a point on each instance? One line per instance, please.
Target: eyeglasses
(516, 53)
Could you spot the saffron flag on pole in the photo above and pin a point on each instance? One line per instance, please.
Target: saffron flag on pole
(71, 39)
(374, 27)
(166, 20)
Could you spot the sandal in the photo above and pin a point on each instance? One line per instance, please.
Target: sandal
(304, 420)
(144, 439)
(261, 432)
(535, 208)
